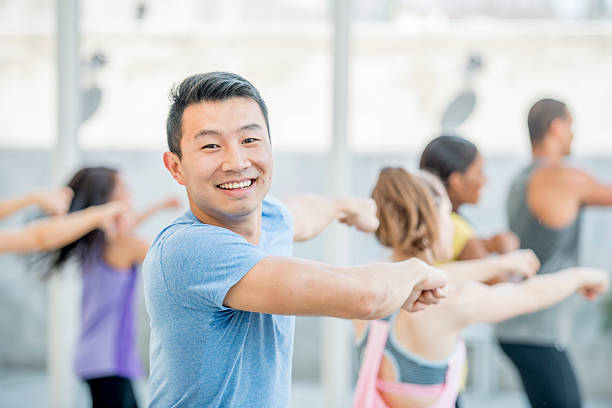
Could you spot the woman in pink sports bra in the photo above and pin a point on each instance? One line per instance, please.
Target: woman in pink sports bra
(414, 212)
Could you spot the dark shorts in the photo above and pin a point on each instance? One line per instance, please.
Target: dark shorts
(112, 392)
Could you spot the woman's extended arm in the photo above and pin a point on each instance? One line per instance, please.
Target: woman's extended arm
(480, 303)
(54, 202)
(164, 204)
(522, 263)
(55, 232)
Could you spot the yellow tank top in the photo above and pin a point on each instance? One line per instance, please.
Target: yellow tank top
(462, 234)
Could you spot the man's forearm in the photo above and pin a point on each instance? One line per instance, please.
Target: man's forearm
(289, 286)
(313, 214)
(389, 284)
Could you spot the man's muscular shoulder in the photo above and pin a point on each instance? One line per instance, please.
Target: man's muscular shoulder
(558, 177)
(554, 194)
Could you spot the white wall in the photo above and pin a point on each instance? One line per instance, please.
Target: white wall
(400, 84)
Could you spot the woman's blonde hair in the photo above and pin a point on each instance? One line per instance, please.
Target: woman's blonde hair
(407, 208)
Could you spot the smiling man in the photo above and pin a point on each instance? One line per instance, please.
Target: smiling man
(221, 287)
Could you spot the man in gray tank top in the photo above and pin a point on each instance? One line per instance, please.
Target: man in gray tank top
(545, 210)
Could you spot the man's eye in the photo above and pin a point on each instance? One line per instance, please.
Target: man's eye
(249, 140)
(210, 146)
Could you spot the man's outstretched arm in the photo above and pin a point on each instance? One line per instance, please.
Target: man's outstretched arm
(289, 286)
(592, 192)
(312, 214)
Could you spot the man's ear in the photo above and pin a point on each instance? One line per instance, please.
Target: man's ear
(555, 127)
(173, 164)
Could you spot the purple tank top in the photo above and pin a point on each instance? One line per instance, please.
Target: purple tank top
(106, 345)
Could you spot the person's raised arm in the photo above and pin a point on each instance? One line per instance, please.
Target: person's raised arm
(522, 263)
(165, 204)
(502, 243)
(478, 248)
(126, 250)
(312, 214)
(290, 286)
(55, 232)
(474, 248)
(488, 304)
(592, 192)
(53, 202)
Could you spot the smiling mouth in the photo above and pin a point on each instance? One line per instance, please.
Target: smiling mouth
(238, 185)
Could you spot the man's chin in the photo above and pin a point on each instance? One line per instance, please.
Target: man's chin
(242, 213)
(240, 210)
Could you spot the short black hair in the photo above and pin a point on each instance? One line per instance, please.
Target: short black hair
(447, 154)
(210, 86)
(541, 115)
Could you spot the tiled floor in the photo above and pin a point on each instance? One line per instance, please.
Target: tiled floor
(29, 389)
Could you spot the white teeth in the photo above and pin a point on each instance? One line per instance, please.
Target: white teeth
(232, 186)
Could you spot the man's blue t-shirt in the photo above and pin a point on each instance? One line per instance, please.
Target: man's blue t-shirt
(202, 353)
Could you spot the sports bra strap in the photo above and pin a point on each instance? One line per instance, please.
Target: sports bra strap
(368, 384)
(366, 394)
(411, 390)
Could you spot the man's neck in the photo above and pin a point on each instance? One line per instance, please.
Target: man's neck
(546, 151)
(249, 226)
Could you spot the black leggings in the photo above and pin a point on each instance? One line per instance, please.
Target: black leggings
(547, 375)
(112, 392)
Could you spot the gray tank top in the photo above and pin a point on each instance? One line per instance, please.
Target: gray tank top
(557, 249)
(409, 367)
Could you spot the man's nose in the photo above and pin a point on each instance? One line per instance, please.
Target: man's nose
(234, 159)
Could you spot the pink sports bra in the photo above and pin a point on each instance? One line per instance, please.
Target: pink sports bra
(368, 384)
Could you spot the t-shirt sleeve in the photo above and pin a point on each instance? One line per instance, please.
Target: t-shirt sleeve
(201, 263)
(283, 218)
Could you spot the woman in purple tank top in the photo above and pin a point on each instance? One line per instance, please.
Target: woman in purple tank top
(106, 354)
